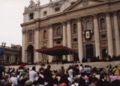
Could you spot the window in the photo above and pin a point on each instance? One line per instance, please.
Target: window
(58, 42)
(103, 36)
(74, 28)
(44, 34)
(30, 36)
(102, 23)
(59, 31)
(75, 40)
(57, 9)
(31, 16)
(45, 13)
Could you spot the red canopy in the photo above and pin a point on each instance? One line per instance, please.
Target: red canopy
(57, 50)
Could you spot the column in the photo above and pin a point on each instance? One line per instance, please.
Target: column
(50, 39)
(97, 38)
(69, 43)
(109, 35)
(24, 58)
(36, 38)
(117, 40)
(64, 35)
(64, 39)
(80, 43)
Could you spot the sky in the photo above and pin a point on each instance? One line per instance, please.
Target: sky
(11, 16)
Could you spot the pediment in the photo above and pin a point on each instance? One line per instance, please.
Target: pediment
(82, 4)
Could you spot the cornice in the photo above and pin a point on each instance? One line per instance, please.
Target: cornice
(66, 13)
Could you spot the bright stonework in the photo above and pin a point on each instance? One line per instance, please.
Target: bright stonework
(89, 28)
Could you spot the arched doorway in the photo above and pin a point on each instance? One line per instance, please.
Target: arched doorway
(30, 54)
(89, 51)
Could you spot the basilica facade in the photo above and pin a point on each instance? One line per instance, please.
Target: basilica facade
(91, 27)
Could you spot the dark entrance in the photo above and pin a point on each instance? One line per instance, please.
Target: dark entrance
(30, 54)
(89, 51)
(104, 53)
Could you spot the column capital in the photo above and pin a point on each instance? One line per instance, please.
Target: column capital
(79, 19)
(24, 31)
(37, 29)
(115, 13)
(64, 23)
(95, 16)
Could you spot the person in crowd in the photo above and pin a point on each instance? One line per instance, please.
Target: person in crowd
(33, 76)
(14, 79)
(74, 75)
(41, 77)
(48, 76)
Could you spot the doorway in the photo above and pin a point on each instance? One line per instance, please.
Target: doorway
(89, 51)
(30, 54)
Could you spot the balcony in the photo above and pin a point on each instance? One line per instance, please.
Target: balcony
(58, 37)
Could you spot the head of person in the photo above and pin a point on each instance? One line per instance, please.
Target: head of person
(28, 83)
(41, 70)
(48, 67)
(34, 68)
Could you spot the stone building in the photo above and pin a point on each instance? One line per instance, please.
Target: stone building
(92, 27)
(10, 55)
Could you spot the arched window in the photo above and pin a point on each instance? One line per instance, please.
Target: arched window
(59, 30)
(102, 23)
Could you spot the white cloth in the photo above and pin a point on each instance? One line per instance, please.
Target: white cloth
(33, 75)
(14, 81)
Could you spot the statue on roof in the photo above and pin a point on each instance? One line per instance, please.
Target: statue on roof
(51, 1)
(38, 2)
(32, 3)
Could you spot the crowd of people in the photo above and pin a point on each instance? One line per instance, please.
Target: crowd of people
(74, 75)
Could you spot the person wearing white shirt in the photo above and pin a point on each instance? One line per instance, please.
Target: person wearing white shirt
(33, 75)
(14, 80)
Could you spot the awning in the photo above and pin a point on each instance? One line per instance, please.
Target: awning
(57, 51)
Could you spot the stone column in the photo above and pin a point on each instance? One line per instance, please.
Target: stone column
(50, 40)
(80, 43)
(64, 38)
(36, 44)
(69, 42)
(64, 35)
(109, 35)
(24, 58)
(117, 34)
(97, 38)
